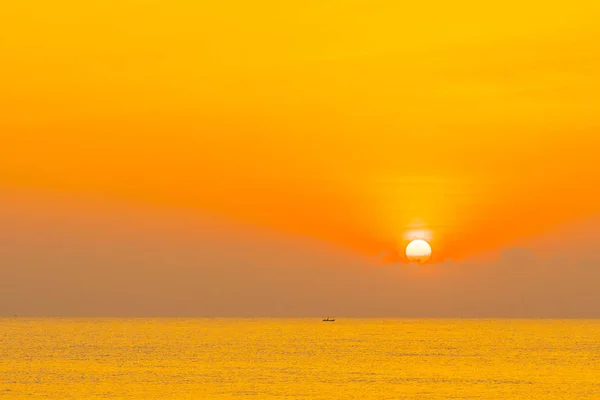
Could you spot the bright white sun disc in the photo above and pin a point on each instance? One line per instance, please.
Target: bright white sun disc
(418, 250)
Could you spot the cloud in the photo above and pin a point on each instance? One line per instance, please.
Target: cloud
(63, 258)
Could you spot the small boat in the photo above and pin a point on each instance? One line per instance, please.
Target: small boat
(329, 319)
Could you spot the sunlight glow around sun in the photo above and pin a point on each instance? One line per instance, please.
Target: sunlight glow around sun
(418, 250)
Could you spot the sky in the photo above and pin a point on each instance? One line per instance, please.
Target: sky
(275, 158)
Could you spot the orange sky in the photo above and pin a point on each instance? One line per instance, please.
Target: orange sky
(347, 122)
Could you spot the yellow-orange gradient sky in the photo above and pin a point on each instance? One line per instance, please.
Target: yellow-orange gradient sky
(348, 122)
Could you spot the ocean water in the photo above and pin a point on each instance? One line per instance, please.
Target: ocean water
(299, 359)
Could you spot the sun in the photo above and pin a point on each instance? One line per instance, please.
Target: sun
(418, 250)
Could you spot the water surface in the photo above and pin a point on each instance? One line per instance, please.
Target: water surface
(299, 358)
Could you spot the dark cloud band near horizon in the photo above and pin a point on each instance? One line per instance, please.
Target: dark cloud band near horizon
(65, 257)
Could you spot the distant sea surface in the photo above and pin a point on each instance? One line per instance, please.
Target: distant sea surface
(425, 359)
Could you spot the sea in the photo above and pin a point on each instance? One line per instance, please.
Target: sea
(262, 358)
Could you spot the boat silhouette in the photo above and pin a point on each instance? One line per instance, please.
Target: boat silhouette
(329, 319)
